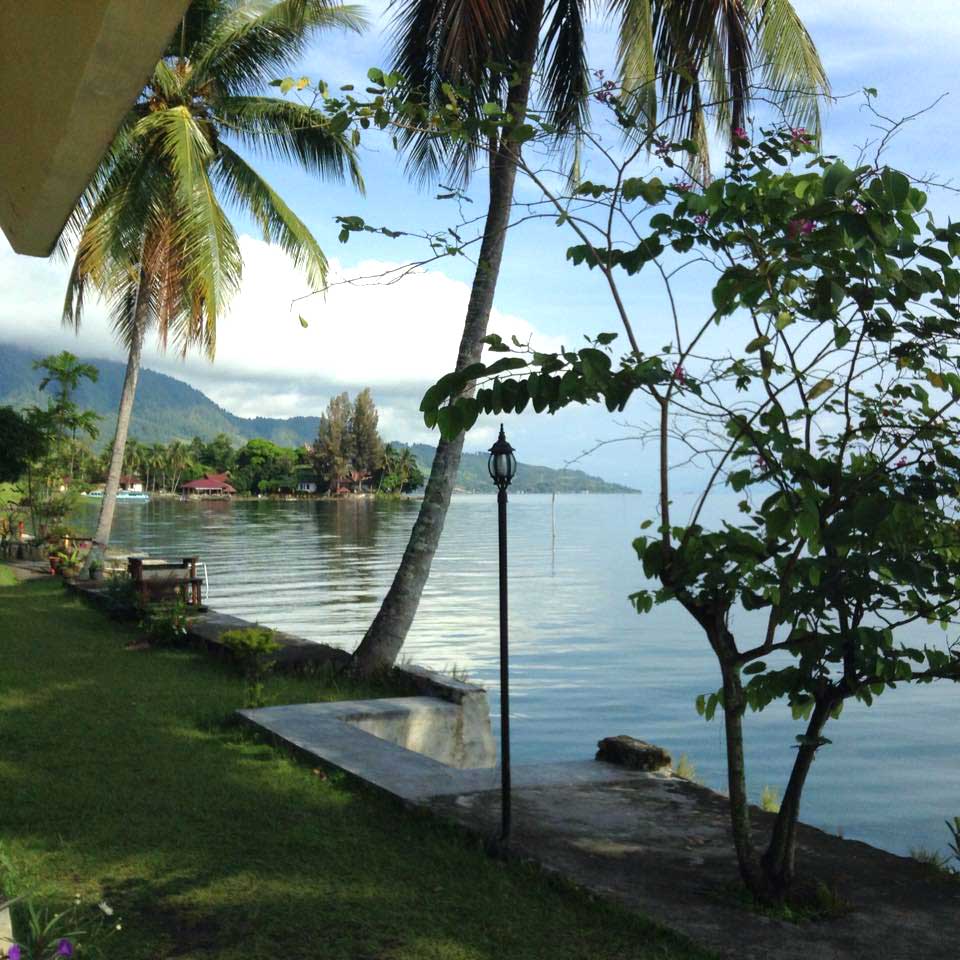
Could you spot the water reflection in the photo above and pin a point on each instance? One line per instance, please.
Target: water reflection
(584, 665)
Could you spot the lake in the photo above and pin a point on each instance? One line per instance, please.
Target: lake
(583, 664)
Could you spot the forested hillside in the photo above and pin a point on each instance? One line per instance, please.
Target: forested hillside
(168, 409)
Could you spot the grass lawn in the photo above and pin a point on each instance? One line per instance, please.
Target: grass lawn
(122, 777)
(7, 579)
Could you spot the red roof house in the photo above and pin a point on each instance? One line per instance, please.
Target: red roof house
(211, 484)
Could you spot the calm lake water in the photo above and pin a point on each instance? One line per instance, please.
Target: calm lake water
(583, 664)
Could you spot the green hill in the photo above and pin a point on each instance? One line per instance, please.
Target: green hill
(474, 477)
(165, 408)
(168, 409)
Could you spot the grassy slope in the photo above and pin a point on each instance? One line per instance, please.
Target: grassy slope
(120, 778)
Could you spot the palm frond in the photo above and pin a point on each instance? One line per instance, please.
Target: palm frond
(252, 43)
(790, 66)
(682, 59)
(462, 42)
(180, 140)
(247, 189)
(636, 57)
(564, 75)
(209, 266)
(290, 131)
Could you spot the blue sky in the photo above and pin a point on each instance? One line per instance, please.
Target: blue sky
(399, 338)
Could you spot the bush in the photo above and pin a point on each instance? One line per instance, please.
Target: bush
(253, 649)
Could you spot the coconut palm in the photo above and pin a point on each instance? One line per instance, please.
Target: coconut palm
(179, 458)
(676, 56)
(151, 232)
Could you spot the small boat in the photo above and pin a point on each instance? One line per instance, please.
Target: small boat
(121, 495)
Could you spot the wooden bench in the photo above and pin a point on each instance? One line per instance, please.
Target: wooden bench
(158, 580)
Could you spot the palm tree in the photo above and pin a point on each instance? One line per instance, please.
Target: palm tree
(66, 371)
(675, 55)
(179, 458)
(151, 233)
(134, 456)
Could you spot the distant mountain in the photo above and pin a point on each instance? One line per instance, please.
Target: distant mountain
(168, 409)
(475, 478)
(165, 408)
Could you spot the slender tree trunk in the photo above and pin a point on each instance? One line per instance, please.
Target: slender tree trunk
(384, 638)
(734, 704)
(778, 861)
(101, 538)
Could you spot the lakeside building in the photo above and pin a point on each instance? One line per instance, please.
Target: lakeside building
(213, 484)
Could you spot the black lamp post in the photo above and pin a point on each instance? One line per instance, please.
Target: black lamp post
(502, 466)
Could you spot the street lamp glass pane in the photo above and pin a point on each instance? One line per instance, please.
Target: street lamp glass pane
(502, 466)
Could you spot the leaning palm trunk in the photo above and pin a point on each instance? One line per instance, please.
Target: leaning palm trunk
(101, 539)
(384, 638)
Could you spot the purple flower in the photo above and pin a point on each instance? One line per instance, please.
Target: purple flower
(797, 228)
(740, 133)
(15, 953)
(800, 134)
(679, 374)
(701, 219)
(902, 462)
(64, 948)
(683, 186)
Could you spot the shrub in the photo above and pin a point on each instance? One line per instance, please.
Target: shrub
(253, 649)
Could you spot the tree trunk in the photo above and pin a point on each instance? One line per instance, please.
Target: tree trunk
(101, 538)
(778, 860)
(734, 704)
(384, 638)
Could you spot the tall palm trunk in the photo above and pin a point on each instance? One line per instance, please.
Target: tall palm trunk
(101, 538)
(384, 638)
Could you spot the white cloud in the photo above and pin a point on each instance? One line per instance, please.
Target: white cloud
(395, 338)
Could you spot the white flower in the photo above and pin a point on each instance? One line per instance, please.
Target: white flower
(106, 908)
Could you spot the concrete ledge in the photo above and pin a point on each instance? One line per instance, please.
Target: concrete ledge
(330, 733)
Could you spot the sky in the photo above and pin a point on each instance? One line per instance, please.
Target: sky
(398, 338)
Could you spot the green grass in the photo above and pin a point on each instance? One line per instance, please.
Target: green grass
(7, 579)
(121, 777)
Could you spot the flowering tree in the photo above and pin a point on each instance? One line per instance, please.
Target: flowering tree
(821, 383)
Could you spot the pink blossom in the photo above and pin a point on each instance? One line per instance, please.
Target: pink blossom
(797, 228)
(701, 219)
(740, 133)
(760, 463)
(800, 134)
(684, 186)
(679, 375)
(902, 462)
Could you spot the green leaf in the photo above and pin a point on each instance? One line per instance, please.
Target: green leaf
(836, 179)
(820, 389)
(448, 419)
(303, 322)
(896, 186)
(753, 668)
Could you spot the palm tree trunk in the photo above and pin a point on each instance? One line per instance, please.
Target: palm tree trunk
(101, 538)
(384, 638)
